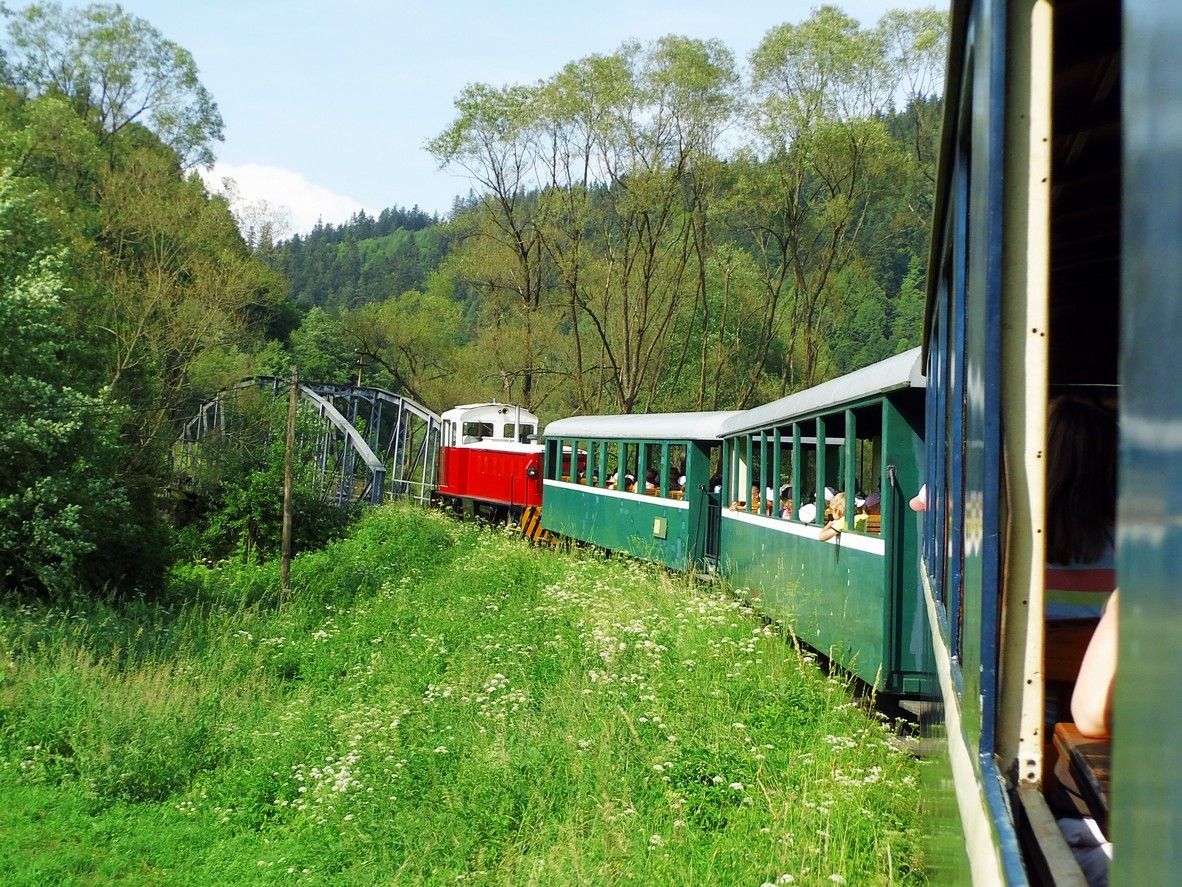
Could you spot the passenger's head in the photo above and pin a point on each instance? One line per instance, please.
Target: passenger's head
(1081, 480)
(837, 505)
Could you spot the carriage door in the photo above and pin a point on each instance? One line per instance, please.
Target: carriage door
(707, 484)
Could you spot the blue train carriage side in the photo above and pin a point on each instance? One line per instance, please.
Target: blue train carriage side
(646, 487)
(853, 440)
(1055, 273)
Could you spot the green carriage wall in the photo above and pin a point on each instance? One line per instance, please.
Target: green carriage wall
(831, 595)
(861, 608)
(625, 522)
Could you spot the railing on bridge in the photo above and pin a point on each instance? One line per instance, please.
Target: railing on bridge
(369, 443)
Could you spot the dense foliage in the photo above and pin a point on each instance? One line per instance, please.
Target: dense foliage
(656, 228)
(653, 229)
(365, 260)
(126, 290)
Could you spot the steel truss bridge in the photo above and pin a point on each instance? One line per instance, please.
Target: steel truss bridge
(364, 444)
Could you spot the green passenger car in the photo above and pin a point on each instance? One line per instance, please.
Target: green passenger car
(854, 597)
(644, 486)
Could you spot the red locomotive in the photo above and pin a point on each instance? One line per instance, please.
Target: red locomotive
(489, 460)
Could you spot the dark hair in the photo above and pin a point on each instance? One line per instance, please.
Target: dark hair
(1081, 480)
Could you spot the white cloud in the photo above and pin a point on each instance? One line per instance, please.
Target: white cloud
(283, 192)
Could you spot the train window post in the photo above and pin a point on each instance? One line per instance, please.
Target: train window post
(820, 450)
(641, 468)
(745, 492)
(728, 450)
(665, 471)
(764, 481)
(797, 472)
(851, 477)
(777, 467)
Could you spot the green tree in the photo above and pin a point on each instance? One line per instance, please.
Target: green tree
(494, 139)
(820, 89)
(59, 504)
(117, 70)
(321, 350)
(408, 342)
(176, 280)
(907, 308)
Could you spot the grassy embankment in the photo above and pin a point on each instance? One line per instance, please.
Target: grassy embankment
(437, 703)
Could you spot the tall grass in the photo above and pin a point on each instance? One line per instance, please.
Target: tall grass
(438, 703)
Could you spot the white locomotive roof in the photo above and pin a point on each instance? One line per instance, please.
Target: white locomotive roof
(643, 426)
(477, 411)
(901, 371)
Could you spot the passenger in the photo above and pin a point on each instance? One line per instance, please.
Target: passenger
(716, 483)
(1091, 708)
(837, 522)
(808, 512)
(1081, 505)
(873, 503)
(786, 501)
(629, 483)
(681, 483)
(1091, 702)
(1082, 444)
(650, 481)
(612, 480)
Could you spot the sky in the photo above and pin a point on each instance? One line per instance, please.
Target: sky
(328, 103)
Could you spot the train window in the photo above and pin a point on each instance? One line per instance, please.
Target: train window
(768, 494)
(553, 448)
(477, 430)
(510, 430)
(676, 476)
(649, 468)
(599, 468)
(867, 468)
(738, 464)
(752, 492)
(526, 432)
(806, 459)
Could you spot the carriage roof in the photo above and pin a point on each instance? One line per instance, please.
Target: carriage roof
(642, 426)
(901, 371)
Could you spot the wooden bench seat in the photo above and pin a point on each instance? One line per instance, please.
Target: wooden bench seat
(1090, 763)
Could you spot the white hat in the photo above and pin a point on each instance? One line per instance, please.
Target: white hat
(829, 491)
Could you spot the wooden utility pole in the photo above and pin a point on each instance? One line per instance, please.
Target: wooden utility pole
(288, 474)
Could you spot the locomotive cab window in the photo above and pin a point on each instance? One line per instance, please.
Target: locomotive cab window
(474, 431)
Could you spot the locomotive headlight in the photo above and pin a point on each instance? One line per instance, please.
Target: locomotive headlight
(531, 472)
